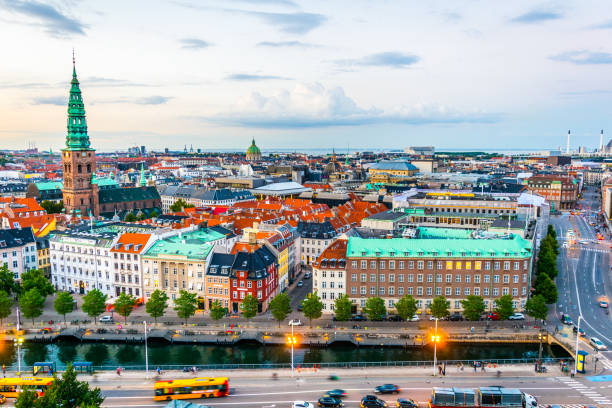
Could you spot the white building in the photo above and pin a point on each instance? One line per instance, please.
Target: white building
(18, 250)
(328, 279)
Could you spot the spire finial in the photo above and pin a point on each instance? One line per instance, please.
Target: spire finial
(73, 64)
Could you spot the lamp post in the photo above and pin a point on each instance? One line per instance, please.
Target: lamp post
(146, 351)
(292, 341)
(576, 355)
(19, 341)
(435, 338)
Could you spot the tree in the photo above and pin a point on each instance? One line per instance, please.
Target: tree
(343, 308)
(35, 278)
(545, 286)
(439, 307)
(473, 307)
(52, 207)
(375, 309)
(216, 310)
(536, 307)
(124, 305)
(185, 305)
(280, 307)
(26, 399)
(157, 304)
(31, 304)
(7, 280)
(406, 307)
(130, 217)
(6, 306)
(65, 392)
(551, 231)
(64, 304)
(154, 214)
(312, 307)
(249, 306)
(503, 307)
(179, 205)
(94, 304)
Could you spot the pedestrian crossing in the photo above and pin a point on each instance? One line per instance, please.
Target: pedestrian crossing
(588, 392)
(607, 364)
(601, 251)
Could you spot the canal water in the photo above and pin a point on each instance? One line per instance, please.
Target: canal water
(112, 355)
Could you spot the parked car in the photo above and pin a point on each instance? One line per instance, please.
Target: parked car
(395, 318)
(566, 319)
(598, 344)
(336, 393)
(330, 402)
(529, 401)
(387, 389)
(300, 284)
(414, 318)
(371, 401)
(295, 322)
(359, 318)
(307, 275)
(575, 330)
(302, 404)
(517, 316)
(406, 403)
(455, 317)
(603, 304)
(106, 319)
(492, 316)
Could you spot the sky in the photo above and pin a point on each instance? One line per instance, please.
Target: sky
(293, 74)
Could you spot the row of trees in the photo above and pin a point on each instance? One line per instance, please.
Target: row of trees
(31, 293)
(131, 217)
(179, 205)
(546, 268)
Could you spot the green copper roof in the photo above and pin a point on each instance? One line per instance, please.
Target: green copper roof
(253, 149)
(143, 181)
(49, 185)
(193, 245)
(444, 233)
(76, 138)
(515, 247)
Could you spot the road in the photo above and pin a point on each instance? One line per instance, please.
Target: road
(584, 273)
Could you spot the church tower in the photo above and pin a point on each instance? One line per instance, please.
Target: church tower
(78, 159)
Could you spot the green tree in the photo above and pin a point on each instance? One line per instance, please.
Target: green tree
(124, 305)
(31, 304)
(375, 309)
(473, 307)
(536, 307)
(26, 399)
(551, 231)
(64, 304)
(35, 278)
(503, 307)
(154, 214)
(7, 280)
(406, 307)
(545, 286)
(439, 307)
(185, 305)
(94, 304)
(52, 207)
(280, 307)
(343, 308)
(130, 217)
(157, 304)
(312, 307)
(65, 392)
(6, 306)
(216, 310)
(249, 306)
(179, 205)
(547, 264)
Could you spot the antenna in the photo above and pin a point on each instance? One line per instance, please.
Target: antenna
(73, 59)
(601, 142)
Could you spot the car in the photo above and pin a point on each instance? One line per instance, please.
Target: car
(387, 389)
(603, 304)
(234, 315)
(336, 393)
(2, 399)
(414, 318)
(517, 316)
(575, 330)
(406, 403)
(565, 319)
(529, 401)
(583, 242)
(492, 316)
(295, 322)
(371, 401)
(455, 317)
(300, 284)
(300, 307)
(307, 275)
(395, 318)
(598, 344)
(302, 404)
(330, 402)
(106, 319)
(359, 318)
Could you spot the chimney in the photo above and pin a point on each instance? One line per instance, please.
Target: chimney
(567, 149)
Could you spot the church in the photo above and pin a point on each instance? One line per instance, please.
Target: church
(82, 193)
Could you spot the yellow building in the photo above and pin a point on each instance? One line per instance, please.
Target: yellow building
(42, 251)
(387, 170)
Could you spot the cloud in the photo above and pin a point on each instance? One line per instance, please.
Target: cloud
(152, 100)
(537, 16)
(50, 100)
(280, 44)
(193, 43)
(584, 57)
(272, 2)
(25, 85)
(254, 77)
(109, 82)
(55, 22)
(383, 59)
(293, 23)
(605, 25)
(315, 106)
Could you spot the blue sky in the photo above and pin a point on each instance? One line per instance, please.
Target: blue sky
(298, 74)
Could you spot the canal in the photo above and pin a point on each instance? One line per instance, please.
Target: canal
(112, 355)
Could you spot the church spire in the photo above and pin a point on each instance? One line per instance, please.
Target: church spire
(143, 180)
(77, 137)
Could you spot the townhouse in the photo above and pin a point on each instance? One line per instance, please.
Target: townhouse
(18, 250)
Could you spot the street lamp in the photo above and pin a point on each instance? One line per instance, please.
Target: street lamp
(146, 351)
(19, 342)
(576, 355)
(435, 338)
(292, 340)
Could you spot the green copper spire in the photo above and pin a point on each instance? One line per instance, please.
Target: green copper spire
(143, 180)
(77, 137)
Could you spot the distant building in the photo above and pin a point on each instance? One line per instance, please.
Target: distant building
(420, 150)
(18, 250)
(391, 171)
(253, 153)
(559, 191)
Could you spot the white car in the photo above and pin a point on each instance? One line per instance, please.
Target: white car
(598, 344)
(106, 319)
(517, 316)
(302, 404)
(295, 322)
(414, 318)
(530, 401)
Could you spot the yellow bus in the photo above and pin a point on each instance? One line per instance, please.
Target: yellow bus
(13, 386)
(202, 387)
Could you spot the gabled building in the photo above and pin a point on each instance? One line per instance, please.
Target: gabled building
(254, 272)
(18, 250)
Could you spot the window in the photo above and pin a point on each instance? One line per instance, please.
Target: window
(496, 265)
(381, 290)
(391, 290)
(429, 291)
(487, 266)
(429, 264)
(458, 265)
(477, 265)
(495, 292)
(420, 264)
(466, 291)
(381, 277)
(439, 278)
(364, 277)
(458, 278)
(439, 265)
(372, 264)
(505, 291)
(448, 291)
(401, 264)
(391, 277)
(485, 291)
(353, 277)
(438, 291)
(506, 278)
(420, 277)
(411, 265)
(506, 265)
(354, 264)
(419, 291)
(372, 277)
(495, 278)
(364, 264)
(391, 264)
(477, 291)
(524, 278)
(487, 278)
(372, 290)
(514, 291)
(516, 266)
(429, 277)
(476, 278)
(457, 291)
(362, 290)
(449, 278)
(468, 266)
(353, 290)
(382, 264)
(449, 265)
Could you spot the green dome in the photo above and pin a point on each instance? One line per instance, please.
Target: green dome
(253, 149)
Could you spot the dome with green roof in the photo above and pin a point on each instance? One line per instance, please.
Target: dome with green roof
(253, 152)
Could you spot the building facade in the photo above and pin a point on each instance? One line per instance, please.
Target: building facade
(18, 250)
(329, 274)
(560, 192)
